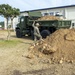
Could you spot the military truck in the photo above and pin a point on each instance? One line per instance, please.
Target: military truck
(47, 27)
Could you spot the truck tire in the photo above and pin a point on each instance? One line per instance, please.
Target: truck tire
(45, 33)
(32, 35)
(18, 33)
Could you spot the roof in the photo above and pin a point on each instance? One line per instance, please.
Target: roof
(49, 8)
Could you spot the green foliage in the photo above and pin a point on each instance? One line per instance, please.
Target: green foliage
(14, 12)
(7, 11)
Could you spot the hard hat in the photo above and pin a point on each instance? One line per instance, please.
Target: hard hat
(37, 24)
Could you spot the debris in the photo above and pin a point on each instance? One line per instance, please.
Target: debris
(31, 47)
(30, 56)
(70, 61)
(70, 36)
(61, 61)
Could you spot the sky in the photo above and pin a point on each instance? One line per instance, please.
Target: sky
(25, 5)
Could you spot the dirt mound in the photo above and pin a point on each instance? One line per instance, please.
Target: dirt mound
(58, 47)
(49, 18)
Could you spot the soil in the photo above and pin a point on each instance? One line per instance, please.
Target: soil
(14, 59)
(58, 47)
(49, 18)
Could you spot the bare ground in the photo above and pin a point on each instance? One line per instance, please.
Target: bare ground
(14, 62)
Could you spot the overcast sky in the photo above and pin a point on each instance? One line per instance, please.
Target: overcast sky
(25, 5)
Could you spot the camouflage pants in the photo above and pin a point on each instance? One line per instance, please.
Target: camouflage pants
(37, 37)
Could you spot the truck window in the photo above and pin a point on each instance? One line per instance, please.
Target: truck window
(45, 14)
(51, 13)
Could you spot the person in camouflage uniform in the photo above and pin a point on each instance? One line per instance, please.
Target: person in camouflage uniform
(37, 34)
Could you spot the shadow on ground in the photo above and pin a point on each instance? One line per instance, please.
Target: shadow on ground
(35, 72)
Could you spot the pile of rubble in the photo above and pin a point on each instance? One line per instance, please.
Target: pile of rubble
(49, 18)
(58, 47)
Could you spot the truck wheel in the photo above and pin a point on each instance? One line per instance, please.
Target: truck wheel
(18, 33)
(45, 33)
(32, 35)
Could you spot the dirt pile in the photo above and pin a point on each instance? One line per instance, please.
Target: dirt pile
(58, 47)
(49, 18)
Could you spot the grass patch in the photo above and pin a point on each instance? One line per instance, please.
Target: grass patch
(9, 43)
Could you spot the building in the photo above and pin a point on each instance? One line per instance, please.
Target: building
(15, 22)
(65, 12)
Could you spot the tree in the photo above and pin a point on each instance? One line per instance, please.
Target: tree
(8, 12)
(14, 13)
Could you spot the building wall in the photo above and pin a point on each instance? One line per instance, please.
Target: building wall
(24, 14)
(5, 26)
(15, 21)
(70, 13)
(52, 11)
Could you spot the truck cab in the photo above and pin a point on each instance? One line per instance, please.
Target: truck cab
(24, 26)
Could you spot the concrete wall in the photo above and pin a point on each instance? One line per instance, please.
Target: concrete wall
(70, 13)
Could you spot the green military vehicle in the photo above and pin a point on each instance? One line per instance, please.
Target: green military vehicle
(46, 26)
